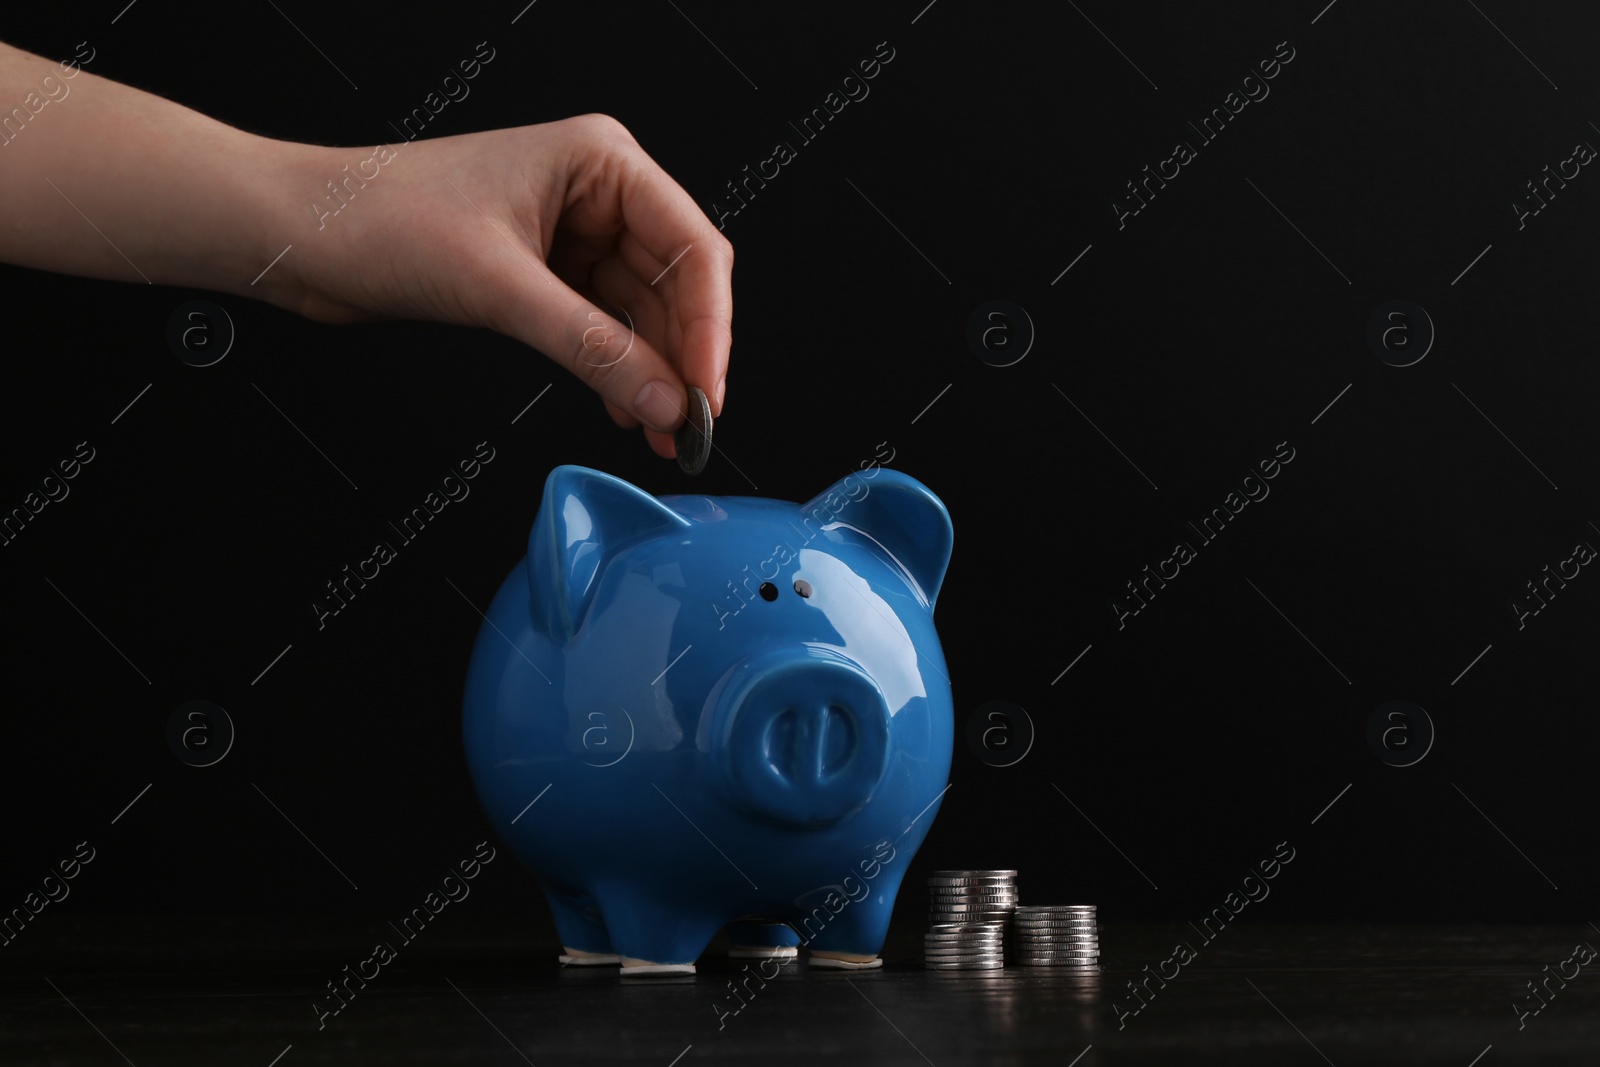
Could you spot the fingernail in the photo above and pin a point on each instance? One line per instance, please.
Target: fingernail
(656, 407)
(722, 389)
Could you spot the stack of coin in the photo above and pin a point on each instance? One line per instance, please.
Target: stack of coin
(971, 896)
(1064, 935)
(965, 946)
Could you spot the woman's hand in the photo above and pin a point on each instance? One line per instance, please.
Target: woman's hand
(525, 231)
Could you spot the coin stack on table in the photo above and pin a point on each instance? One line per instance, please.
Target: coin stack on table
(1065, 935)
(965, 947)
(968, 912)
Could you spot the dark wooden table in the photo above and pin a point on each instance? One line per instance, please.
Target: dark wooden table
(223, 991)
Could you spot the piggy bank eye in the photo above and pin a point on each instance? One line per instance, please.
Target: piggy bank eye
(768, 591)
(802, 587)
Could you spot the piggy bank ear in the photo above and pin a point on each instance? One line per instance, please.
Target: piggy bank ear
(897, 512)
(584, 518)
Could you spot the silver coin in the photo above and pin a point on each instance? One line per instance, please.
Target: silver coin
(1026, 954)
(1038, 912)
(1054, 932)
(956, 957)
(996, 926)
(1064, 909)
(1087, 965)
(1022, 922)
(964, 890)
(973, 874)
(980, 939)
(693, 439)
(985, 966)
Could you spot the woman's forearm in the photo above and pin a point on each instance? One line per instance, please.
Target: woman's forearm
(107, 181)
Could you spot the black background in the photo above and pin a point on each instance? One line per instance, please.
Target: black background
(1196, 338)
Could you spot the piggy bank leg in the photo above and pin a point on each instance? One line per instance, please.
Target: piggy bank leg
(852, 939)
(749, 940)
(584, 942)
(653, 937)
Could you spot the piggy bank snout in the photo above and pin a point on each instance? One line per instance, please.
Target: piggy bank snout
(804, 736)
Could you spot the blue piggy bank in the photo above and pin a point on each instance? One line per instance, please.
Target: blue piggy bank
(689, 712)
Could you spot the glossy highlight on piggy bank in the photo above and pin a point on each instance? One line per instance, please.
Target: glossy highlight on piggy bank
(690, 773)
